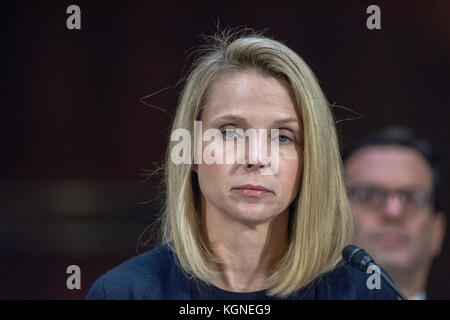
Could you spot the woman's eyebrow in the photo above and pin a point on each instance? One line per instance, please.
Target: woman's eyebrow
(285, 121)
(239, 119)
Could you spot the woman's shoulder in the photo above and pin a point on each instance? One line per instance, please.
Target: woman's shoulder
(146, 276)
(349, 283)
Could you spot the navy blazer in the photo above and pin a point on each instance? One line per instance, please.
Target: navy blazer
(157, 275)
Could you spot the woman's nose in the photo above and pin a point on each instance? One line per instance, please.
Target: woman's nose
(257, 150)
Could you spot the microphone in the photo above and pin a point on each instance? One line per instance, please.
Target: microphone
(361, 260)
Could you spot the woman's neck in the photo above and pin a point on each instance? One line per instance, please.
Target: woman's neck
(247, 252)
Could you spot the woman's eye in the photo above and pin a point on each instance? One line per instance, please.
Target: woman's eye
(283, 138)
(228, 133)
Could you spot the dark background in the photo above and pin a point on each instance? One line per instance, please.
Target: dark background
(75, 137)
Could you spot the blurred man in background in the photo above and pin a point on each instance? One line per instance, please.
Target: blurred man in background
(394, 187)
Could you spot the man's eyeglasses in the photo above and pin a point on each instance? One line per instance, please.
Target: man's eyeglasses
(375, 197)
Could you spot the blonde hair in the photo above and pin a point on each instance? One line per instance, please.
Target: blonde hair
(321, 222)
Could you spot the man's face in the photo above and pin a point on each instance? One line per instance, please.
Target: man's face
(395, 222)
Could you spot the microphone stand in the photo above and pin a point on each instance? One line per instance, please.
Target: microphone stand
(389, 282)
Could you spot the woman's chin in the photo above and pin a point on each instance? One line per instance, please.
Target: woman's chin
(254, 216)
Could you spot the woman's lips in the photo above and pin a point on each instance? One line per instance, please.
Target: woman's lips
(252, 190)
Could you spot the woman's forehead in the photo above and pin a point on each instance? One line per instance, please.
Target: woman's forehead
(249, 96)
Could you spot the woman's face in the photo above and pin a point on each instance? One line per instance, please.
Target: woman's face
(249, 100)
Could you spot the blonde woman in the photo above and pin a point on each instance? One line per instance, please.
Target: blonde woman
(256, 227)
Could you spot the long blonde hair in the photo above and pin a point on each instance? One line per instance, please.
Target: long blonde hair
(321, 221)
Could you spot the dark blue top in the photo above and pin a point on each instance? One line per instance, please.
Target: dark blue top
(156, 274)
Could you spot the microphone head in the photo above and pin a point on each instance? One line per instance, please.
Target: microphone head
(348, 252)
(357, 257)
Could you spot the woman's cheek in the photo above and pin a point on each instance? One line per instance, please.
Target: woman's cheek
(290, 171)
